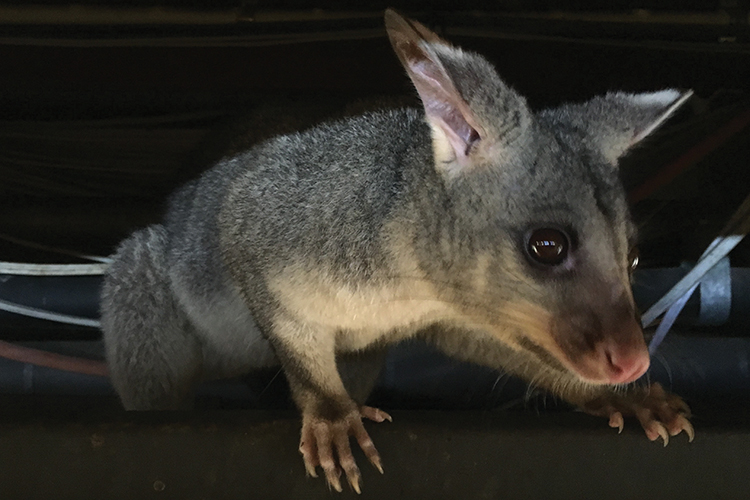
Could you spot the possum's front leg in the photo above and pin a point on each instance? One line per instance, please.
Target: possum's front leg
(660, 413)
(329, 415)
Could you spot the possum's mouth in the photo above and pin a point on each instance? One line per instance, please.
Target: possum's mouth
(611, 364)
(606, 363)
(615, 354)
(602, 346)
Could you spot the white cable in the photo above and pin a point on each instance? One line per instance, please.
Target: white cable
(28, 269)
(669, 318)
(676, 298)
(33, 312)
(718, 249)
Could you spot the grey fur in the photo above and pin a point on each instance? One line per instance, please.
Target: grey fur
(283, 249)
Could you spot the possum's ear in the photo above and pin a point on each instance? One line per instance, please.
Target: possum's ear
(462, 95)
(617, 121)
(446, 110)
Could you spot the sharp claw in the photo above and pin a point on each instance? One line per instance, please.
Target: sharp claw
(375, 414)
(333, 481)
(309, 464)
(661, 414)
(331, 450)
(616, 420)
(662, 432)
(688, 428)
(310, 470)
(354, 483)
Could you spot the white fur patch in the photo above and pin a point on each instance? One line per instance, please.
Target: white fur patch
(362, 314)
(659, 98)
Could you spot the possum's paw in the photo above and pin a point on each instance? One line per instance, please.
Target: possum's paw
(660, 413)
(320, 437)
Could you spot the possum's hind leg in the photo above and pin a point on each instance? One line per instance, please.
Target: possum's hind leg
(153, 354)
(360, 371)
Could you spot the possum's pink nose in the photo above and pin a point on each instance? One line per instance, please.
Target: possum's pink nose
(624, 364)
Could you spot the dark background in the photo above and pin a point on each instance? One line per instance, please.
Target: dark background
(107, 106)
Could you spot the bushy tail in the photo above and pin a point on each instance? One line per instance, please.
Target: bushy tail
(153, 356)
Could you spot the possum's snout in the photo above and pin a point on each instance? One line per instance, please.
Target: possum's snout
(622, 364)
(602, 341)
(600, 350)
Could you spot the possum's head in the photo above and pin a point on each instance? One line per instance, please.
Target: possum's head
(542, 245)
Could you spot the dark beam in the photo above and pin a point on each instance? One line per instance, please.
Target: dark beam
(425, 454)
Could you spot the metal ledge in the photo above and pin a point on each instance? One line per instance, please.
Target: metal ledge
(245, 455)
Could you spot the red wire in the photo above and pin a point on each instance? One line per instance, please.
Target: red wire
(52, 360)
(691, 157)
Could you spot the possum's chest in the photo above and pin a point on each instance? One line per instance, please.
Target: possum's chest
(360, 314)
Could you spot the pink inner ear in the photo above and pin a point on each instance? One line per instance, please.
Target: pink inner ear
(443, 103)
(465, 132)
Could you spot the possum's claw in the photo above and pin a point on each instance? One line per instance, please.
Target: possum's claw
(660, 413)
(616, 420)
(654, 429)
(683, 424)
(321, 437)
(374, 414)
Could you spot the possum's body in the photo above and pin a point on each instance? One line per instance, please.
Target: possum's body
(498, 234)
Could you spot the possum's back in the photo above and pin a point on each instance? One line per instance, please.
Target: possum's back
(325, 193)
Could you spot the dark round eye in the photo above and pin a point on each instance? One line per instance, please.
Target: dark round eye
(633, 258)
(548, 246)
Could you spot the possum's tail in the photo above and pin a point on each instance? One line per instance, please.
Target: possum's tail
(153, 354)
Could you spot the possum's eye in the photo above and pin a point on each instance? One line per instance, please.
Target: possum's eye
(633, 258)
(548, 246)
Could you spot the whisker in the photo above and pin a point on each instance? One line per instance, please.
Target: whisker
(278, 372)
(497, 380)
(663, 361)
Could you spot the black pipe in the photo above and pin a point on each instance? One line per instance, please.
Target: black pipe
(79, 296)
(708, 372)
(699, 367)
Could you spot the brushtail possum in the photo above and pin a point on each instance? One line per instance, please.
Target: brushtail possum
(499, 234)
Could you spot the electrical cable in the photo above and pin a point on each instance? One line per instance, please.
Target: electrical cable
(52, 360)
